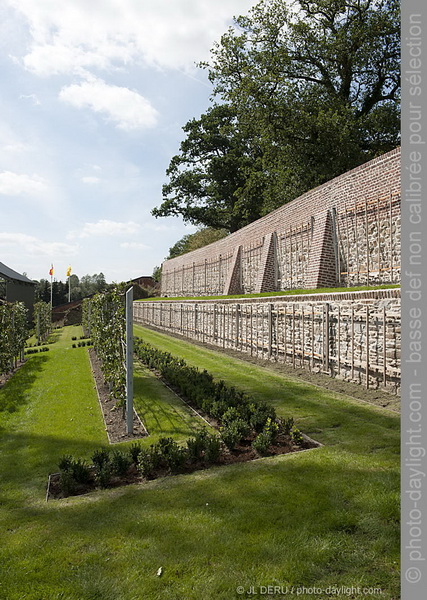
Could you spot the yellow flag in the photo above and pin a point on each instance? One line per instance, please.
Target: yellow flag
(68, 271)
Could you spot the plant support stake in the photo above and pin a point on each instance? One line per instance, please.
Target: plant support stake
(129, 361)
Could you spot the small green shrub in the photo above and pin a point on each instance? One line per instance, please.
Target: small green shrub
(135, 451)
(80, 471)
(231, 414)
(173, 456)
(103, 475)
(242, 427)
(76, 469)
(259, 415)
(286, 425)
(65, 463)
(100, 458)
(120, 463)
(231, 435)
(272, 429)
(196, 446)
(204, 446)
(68, 483)
(297, 437)
(148, 462)
(262, 443)
(212, 450)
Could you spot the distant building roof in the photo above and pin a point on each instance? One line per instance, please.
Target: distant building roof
(9, 273)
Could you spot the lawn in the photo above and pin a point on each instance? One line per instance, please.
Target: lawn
(327, 517)
(360, 288)
(161, 411)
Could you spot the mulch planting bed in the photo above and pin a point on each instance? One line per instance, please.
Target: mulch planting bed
(115, 424)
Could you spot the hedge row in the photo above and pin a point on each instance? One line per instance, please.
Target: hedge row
(240, 416)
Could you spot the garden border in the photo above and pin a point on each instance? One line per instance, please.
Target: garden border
(142, 482)
(140, 431)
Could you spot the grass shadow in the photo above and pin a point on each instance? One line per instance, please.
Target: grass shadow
(341, 526)
(13, 393)
(162, 412)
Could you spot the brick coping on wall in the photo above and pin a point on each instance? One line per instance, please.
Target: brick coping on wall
(384, 294)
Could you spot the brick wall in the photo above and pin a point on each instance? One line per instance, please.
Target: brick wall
(346, 232)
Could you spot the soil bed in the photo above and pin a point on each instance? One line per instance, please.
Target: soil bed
(243, 453)
(115, 424)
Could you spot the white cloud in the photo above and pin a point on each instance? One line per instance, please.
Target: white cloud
(104, 227)
(97, 34)
(32, 97)
(91, 180)
(36, 247)
(125, 107)
(14, 184)
(134, 246)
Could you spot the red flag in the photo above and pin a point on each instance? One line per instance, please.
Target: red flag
(51, 271)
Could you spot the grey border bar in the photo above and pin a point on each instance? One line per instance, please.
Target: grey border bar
(414, 301)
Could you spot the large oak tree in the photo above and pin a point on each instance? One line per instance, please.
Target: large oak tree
(302, 93)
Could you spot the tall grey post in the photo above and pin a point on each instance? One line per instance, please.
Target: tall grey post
(129, 360)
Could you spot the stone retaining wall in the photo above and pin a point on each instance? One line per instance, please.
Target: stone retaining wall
(353, 336)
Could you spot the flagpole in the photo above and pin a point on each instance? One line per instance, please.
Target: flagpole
(69, 283)
(51, 286)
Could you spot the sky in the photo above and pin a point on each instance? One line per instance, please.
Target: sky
(93, 98)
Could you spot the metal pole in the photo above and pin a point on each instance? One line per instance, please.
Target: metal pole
(367, 347)
(339, 340)
(303, 340)
(391, 237)
(270, 330)
(384, 347)
(327, 341)
(348, 246)
(367, 238)
(356, 242)
(129, 361)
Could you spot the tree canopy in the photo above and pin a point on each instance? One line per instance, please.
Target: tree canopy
(193, 241)
(301, 94)
(80, 288)
(208, 177)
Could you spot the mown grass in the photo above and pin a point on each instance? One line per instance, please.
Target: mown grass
(162, 412)
(323, 517)
(360, 288)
